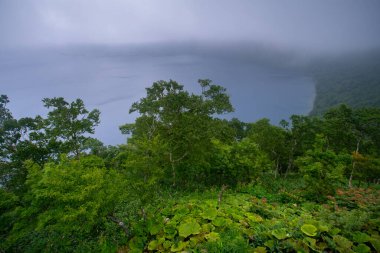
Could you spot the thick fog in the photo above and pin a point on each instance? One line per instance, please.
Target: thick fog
(296, 24)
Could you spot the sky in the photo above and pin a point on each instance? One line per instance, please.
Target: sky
(308, 25)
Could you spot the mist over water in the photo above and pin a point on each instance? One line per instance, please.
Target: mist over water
(107, 52)
(112, 78)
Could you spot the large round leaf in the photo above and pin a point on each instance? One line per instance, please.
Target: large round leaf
(362, 248)
(309, 229)
(209, 213)
(178, 246)
(219, 221)
(154, 228)
(343, 244)
(280, 233)
(212, 237)
(189, 228)
(361, 237)
(153, 245)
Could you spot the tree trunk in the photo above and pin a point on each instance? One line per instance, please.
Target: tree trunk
(143, 213)
(220, 196)
(174, 175)
(172, 162)
(353, 165)
(290, 161)
(173, 169)
(352, 172)
(277, 164)
(119, 223)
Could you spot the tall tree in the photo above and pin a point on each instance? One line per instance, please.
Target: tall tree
(181, 122)
(68, 124)
(340, 129)
(67, 206)
(322, 168)
(354, 132)
(271, 139)
(7, 123)
(19, 141)
(300, 137)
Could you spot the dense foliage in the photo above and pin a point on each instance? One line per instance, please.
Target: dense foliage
(353, 80)
(188, 181)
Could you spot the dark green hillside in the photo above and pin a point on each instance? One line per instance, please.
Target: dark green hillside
(352, 80)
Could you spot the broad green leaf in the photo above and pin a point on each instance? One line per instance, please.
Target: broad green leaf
(161, 240)
(322, 245)
(209, 213)
(167, 244)
(182, 211)
(269, 244)
(298, 245)
(244, 223)
(375, 243)
(323, 227)
(237, 216)
(362, 248)
(170, 232)
(154, 228)
(135, 250)
(334, 231)
(189, 228)
(360, 237)
(179, 246)
(206, 228)
(219, 221)
(212, 237)
(193, 241)
(260, 250)
(280, 233)
(153, 245)
(309, 229)
(311, 242)
(254, 218)
(343, 243)
(136, 243)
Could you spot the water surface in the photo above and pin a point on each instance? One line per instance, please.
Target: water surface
(111, 79)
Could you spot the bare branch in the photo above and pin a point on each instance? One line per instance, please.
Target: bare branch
(119, 223)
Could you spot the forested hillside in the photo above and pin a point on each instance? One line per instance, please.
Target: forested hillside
(189, 181)
(353, 80)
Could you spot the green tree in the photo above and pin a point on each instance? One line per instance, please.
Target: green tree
(68, 124)
(340, 129)
(353, 131)
(272, 140)
(67, 206)
(238, 162)
(39, 139)
(239, 127)
(367, 124)
(18, 143)
(7, 137)
(182, 123)
(321, 168)
(300, 137)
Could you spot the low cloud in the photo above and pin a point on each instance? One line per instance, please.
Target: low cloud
(341, 25)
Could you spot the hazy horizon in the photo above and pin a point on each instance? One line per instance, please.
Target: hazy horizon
(303, 26)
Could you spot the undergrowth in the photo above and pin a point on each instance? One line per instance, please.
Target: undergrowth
(253, 218)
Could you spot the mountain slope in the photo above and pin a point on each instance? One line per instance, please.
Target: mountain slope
(353, 80)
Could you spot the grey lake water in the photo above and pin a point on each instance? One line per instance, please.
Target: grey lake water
(111, 79)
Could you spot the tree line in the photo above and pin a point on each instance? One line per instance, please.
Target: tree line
(60, 187)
